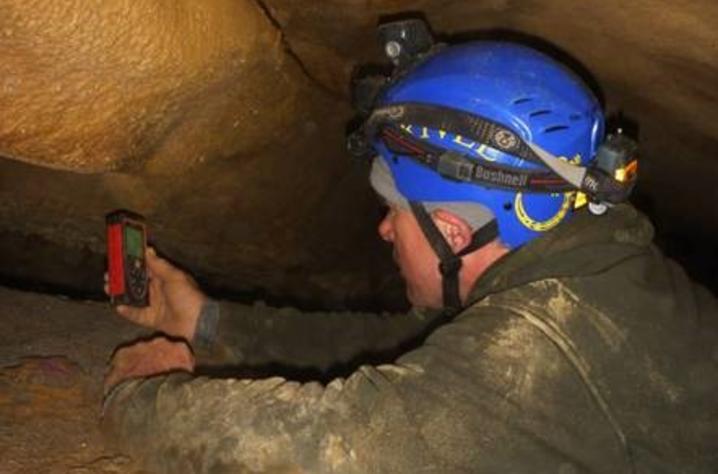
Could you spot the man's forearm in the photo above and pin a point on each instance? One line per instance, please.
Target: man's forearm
(272, 425)
(229, 333)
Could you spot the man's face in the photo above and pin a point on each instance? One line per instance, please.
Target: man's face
(416, 260)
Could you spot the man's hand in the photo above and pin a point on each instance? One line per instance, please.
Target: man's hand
(175, 300)
(146, 358)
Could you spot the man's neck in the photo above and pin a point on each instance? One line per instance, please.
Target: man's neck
(475, 264)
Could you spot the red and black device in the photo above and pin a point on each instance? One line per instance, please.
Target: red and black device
(126, 259)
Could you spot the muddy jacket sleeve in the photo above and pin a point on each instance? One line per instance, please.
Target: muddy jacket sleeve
(483, 392)
(261, 337)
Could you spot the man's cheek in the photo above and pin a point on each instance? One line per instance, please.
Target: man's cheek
(411, 295)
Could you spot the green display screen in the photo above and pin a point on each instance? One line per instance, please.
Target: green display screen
(134, 242)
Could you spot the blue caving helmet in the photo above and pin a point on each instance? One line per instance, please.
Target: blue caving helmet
(515, 86)
(493, 123)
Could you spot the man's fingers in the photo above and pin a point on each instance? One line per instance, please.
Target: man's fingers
(124, 362)
(123, 358)
(130, 312)
(155, 288)
(136, 315)
(123, 310)
(147, 358)
(158, 266)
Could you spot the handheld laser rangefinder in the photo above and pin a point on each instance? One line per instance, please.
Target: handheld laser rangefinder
(126, 260)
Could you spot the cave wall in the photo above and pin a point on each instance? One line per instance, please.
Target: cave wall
(122, 85)
(222, 121)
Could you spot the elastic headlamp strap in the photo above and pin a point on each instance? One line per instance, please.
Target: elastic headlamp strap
(596, 183)
(449, 263)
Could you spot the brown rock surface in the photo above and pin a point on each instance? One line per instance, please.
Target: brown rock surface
(52, 359)
(101, 86)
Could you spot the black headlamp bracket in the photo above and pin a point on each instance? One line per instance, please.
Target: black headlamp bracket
(405, 41)
(359, 145)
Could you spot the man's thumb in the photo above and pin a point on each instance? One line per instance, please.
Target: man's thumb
(158, 266)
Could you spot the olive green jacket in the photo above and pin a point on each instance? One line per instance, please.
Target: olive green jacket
(584, 351)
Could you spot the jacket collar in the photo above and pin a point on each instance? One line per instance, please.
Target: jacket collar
(584, 245)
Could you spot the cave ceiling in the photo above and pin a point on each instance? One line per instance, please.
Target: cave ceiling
(222, 122)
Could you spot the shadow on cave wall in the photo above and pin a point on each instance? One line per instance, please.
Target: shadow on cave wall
(36, 263)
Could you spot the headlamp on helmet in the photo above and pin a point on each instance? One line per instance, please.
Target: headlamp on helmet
(489, 122)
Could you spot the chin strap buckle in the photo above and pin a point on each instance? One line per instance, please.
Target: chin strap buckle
(450, 266)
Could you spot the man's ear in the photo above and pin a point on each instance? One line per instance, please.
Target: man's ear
(455, 230)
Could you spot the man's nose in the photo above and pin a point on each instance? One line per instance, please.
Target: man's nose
(385, 229)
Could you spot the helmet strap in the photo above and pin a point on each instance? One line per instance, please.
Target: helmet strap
(449, 262)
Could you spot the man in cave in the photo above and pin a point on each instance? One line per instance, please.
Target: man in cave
(545, 338)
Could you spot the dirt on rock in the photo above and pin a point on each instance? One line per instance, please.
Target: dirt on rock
(53, 353)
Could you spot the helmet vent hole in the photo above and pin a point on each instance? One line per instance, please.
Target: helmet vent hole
(507, 206)
(574, 117)
(539, 113)
(522, 100)
(555, 128)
